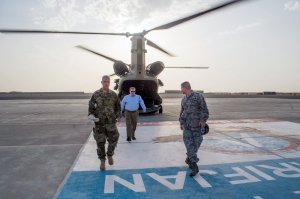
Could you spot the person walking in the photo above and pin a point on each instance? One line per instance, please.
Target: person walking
(130, 105)
(193, 116)
(105, 111)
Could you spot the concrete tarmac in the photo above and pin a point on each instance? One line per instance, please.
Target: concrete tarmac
(40, 139)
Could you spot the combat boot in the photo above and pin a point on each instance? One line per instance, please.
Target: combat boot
(110, 160)
(188, 162)
(195, 169)
(102, 165)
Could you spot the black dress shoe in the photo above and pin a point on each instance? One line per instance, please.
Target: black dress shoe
(133, 138)
(195, 169)
(128, 139)
(188, 162)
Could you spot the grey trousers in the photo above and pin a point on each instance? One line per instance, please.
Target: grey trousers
(192, 141)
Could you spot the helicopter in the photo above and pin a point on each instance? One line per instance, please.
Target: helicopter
(137, 74)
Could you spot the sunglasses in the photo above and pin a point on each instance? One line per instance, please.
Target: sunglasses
(132, 91)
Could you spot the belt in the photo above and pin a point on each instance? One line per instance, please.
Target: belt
(131, 111)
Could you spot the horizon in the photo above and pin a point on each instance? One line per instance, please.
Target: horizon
(165, 91)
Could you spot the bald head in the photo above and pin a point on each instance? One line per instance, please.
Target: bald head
(186, 85)
(186, 88)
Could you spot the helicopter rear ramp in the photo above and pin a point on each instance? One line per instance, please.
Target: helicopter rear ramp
(250, 158)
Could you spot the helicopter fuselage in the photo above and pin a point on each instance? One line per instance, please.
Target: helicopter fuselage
(143, 80)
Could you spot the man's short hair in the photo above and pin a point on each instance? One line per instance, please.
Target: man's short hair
(105, 77)
(186, 85)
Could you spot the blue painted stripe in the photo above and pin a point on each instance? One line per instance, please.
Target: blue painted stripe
(275, 179)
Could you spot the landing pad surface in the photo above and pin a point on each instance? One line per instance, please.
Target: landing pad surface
(257, 158)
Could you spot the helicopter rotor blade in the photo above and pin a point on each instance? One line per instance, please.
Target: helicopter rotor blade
(185, 19)
(92, 51)
(58, 32)
(153, 45)
(189, 67)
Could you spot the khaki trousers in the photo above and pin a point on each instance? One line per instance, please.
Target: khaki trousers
(131, 122)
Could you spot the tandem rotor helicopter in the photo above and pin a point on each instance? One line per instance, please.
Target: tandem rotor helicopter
(137, 74)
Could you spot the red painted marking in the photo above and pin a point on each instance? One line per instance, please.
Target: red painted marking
(291, 147)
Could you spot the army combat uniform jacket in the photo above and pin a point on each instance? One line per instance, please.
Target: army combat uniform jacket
(193, 110)
(105, 106)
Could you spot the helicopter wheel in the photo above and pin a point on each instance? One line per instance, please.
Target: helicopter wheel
(160, 111)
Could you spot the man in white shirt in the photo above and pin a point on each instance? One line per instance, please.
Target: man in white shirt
(130, 104)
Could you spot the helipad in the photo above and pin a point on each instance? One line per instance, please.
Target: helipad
(256, 159)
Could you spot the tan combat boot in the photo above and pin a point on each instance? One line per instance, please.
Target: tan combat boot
(102, 165)
(110, 160)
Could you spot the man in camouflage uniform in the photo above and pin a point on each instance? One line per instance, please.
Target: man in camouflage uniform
(105, 110)
(193, 117)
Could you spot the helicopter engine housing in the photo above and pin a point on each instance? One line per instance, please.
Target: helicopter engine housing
(155, 68)
(120, 68)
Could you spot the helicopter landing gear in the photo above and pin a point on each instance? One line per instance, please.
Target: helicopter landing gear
(160, 110)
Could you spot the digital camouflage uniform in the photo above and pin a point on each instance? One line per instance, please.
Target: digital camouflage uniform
(193, 110)
(105, 106)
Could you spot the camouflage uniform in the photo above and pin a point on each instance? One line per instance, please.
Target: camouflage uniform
(193, 110)
(106, 107)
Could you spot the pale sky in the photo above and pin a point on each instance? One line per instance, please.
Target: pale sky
(251, 47)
